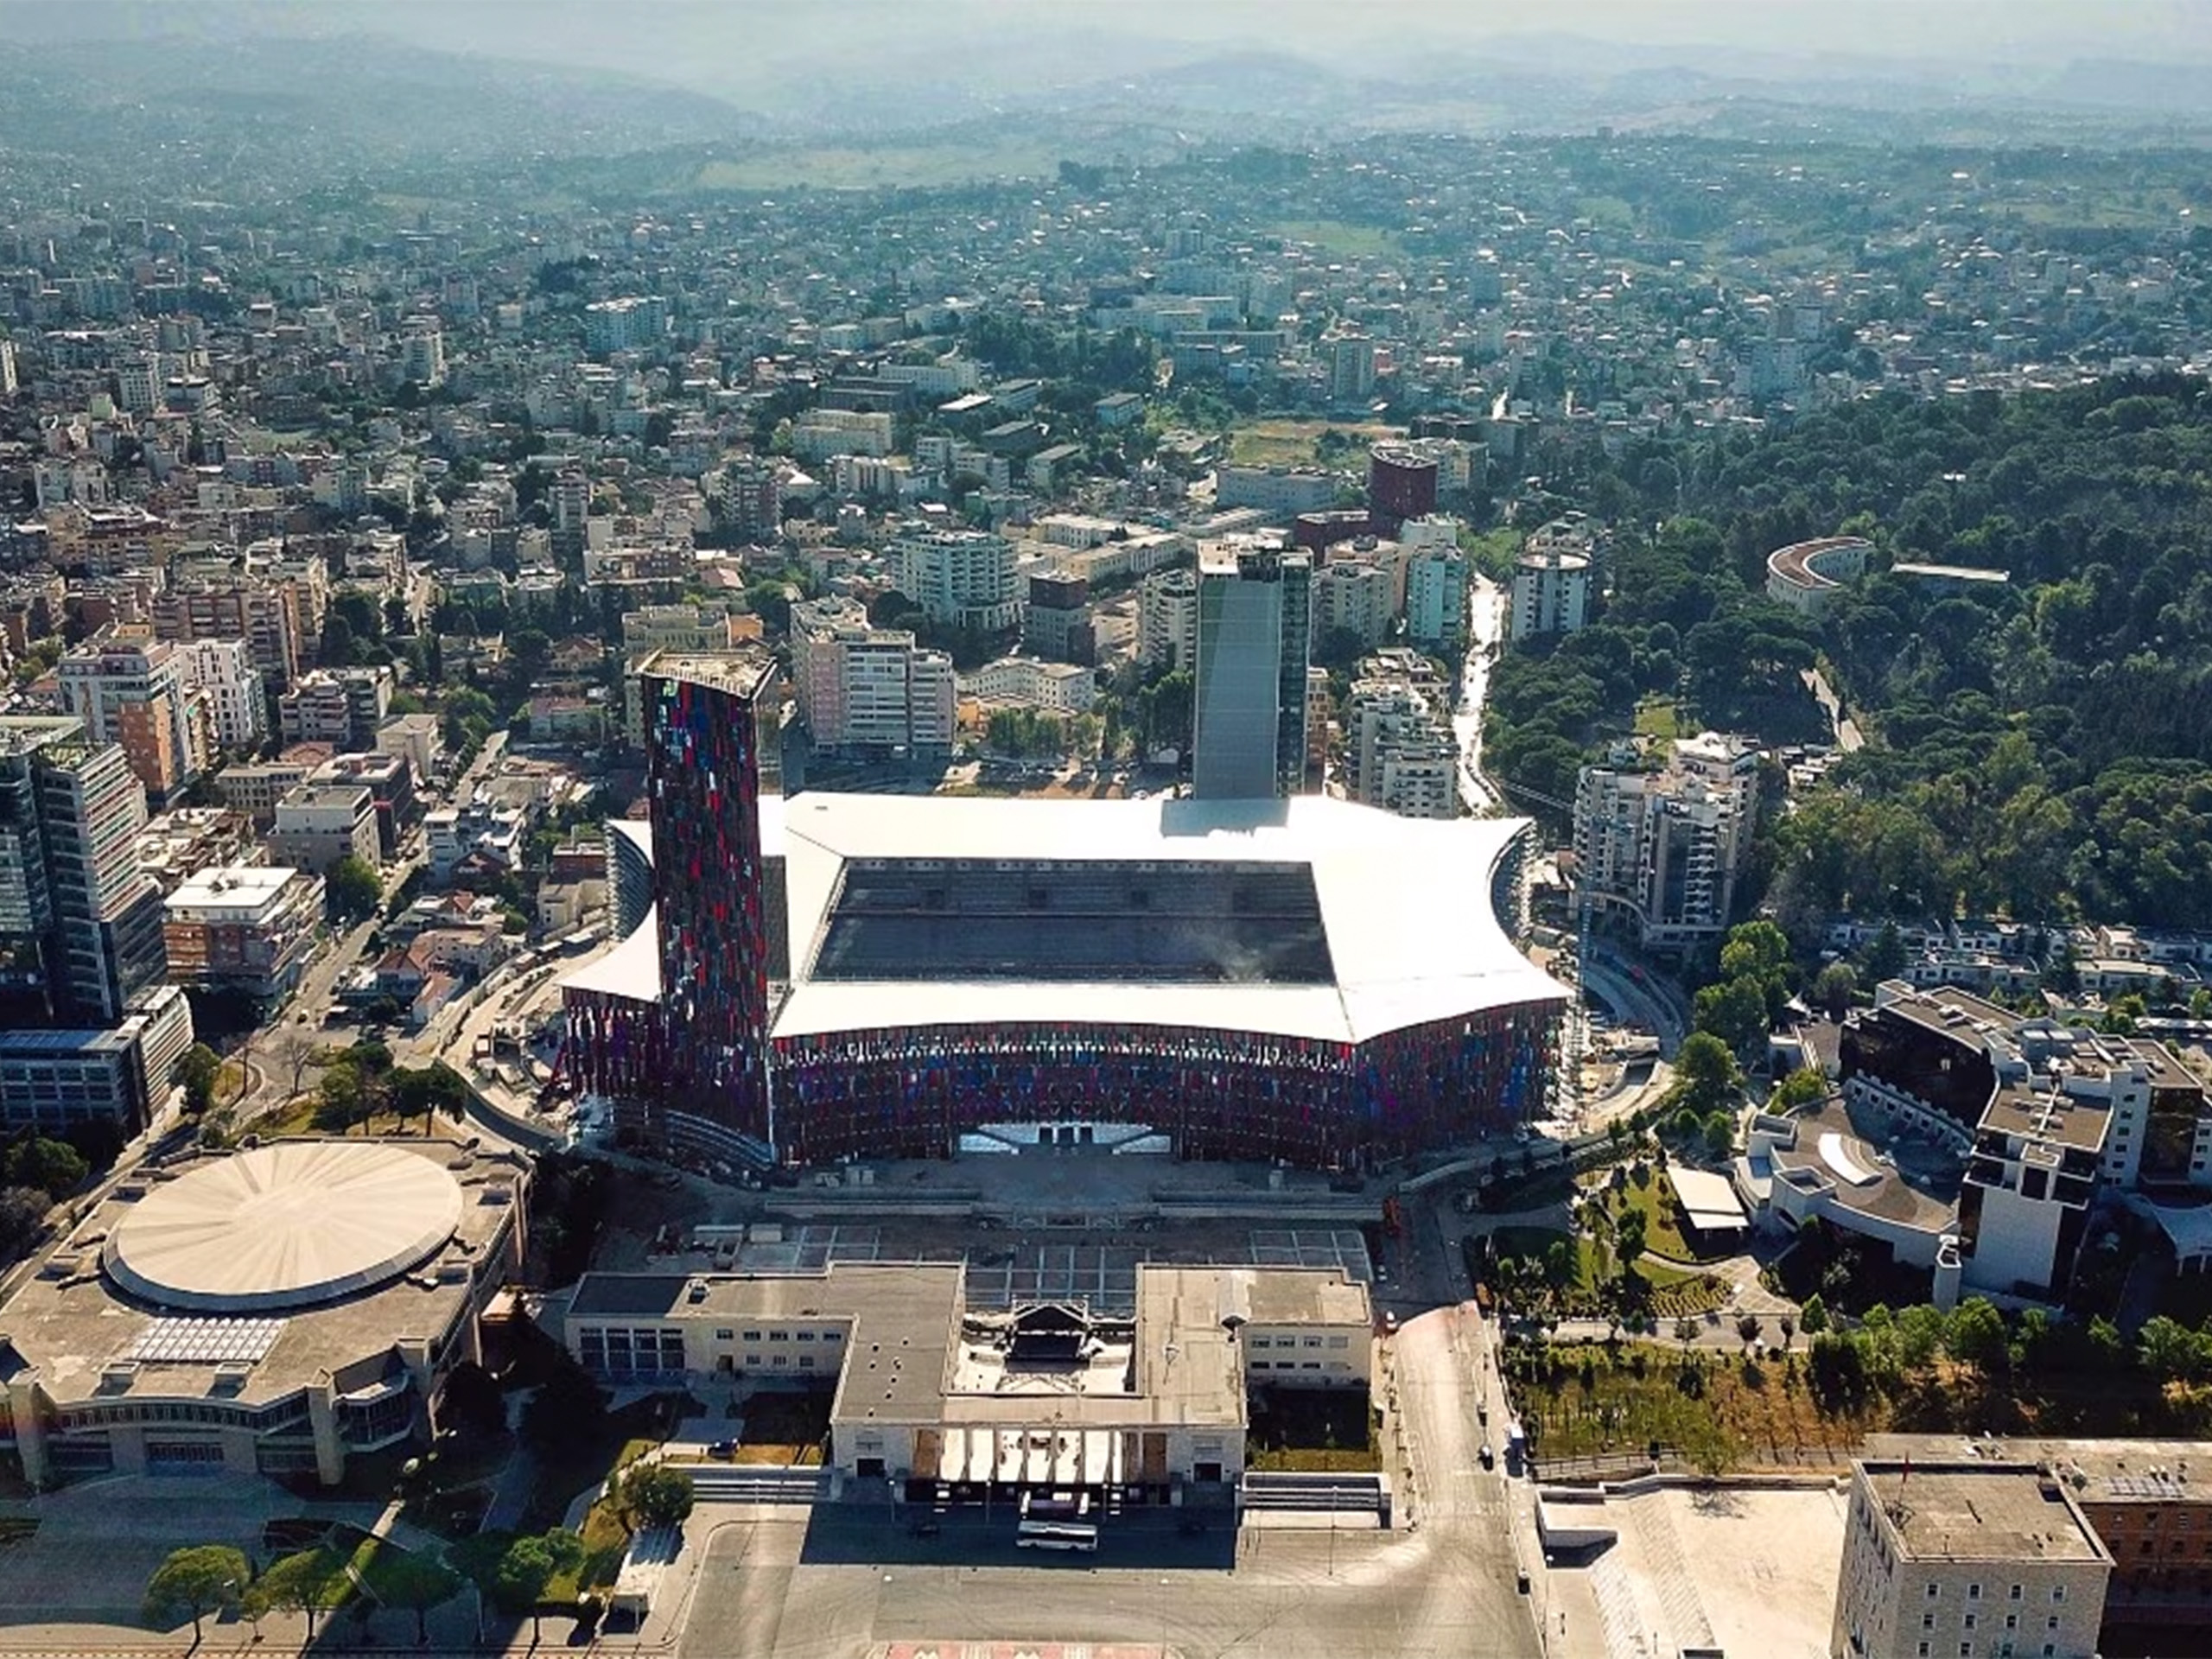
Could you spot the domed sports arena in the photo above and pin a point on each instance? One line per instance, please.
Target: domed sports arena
(868, 976)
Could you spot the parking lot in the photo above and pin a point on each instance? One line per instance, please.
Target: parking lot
(847, 1583)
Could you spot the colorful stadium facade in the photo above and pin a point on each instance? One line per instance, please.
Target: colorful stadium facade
(873, 976)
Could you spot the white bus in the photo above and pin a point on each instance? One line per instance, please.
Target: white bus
(1057, 1535)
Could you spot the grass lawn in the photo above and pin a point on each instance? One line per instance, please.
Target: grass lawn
(1655, 1198)
(1339, 237)
(1313, 1431)
(1292, 443)
(1657, 717)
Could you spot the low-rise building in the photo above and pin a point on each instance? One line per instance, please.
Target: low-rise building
(390, 779)
(1057, 688)
(255, 787)
(317, 825)
(927, 1389)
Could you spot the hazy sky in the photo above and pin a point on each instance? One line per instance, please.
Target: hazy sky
(698, 40)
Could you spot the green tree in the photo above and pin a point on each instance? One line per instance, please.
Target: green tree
(527, 1569)
(1705, 1072)
(343, 1097)
(1886, 955)
(196, 1580)
(52, 1168)
(413, 1582)
(2171, 1351)
(1835, 988)
(1975, 1335)
(353, 889)
(568, 1405)
(1802, 1088)
(310, 1582)
(1736, 1012)
(1630, 1230)
(420, 1091)
(196, 1072)
(1813, 1316)
(657, 1495)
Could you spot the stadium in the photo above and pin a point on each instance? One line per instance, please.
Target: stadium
(858, 975)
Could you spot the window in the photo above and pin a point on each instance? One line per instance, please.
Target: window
(724, 1336)
(1973, 1592)
(1927, 1621)
(833, 1336)
(1968, 1623)
(781, 1359)
(2058, 1593)
(1260, 1342)
(806, 1361)
(2052, 1624)
(806, 1336)
(779, 1335)
(1966, 1650)
(1339, 1342)
(1313, 1342)
(2015, 1594)
(2012, 1621)
(1933, 1590)
(1922, 1650)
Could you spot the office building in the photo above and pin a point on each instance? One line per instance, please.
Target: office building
(121, 1075)
(1660, 851)
(390, 779)
(1967, 1557)
(317, 825)
(1279, 492)
(1148, 1400)
(1255, 629)
(248, 928)
(1401, 485)
(418, 738)
(1024, 682)
(960, 578)
(863, 690)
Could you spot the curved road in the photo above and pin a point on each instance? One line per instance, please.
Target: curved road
(1485, 630)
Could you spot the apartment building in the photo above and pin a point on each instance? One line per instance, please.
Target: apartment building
(232, 701)
(1661, 850)
(255, 787)
(961, 578)
(1167, 621)
(343, 707)
(1400, 751)
(248, 928)
(1279, 492)
(138, 692)
(866, 690)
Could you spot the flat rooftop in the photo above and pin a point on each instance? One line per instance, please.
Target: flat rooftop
(2096, 1471)
(1979, 1512)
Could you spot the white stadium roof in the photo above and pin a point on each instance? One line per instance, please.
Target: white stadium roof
(1405, 910)
(1404, 904)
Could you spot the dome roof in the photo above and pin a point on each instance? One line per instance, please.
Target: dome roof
(284, 1226)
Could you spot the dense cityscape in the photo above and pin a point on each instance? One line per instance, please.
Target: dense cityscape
(1438, 883)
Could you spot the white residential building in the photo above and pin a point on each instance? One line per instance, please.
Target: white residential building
(230, 689)
(961, 578)
(1167, 620)
(1664, 849)
(1058, 688)
(1400, 752)
(1551, 591)
(866, 689)
(1436, 584)
(319, 824)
